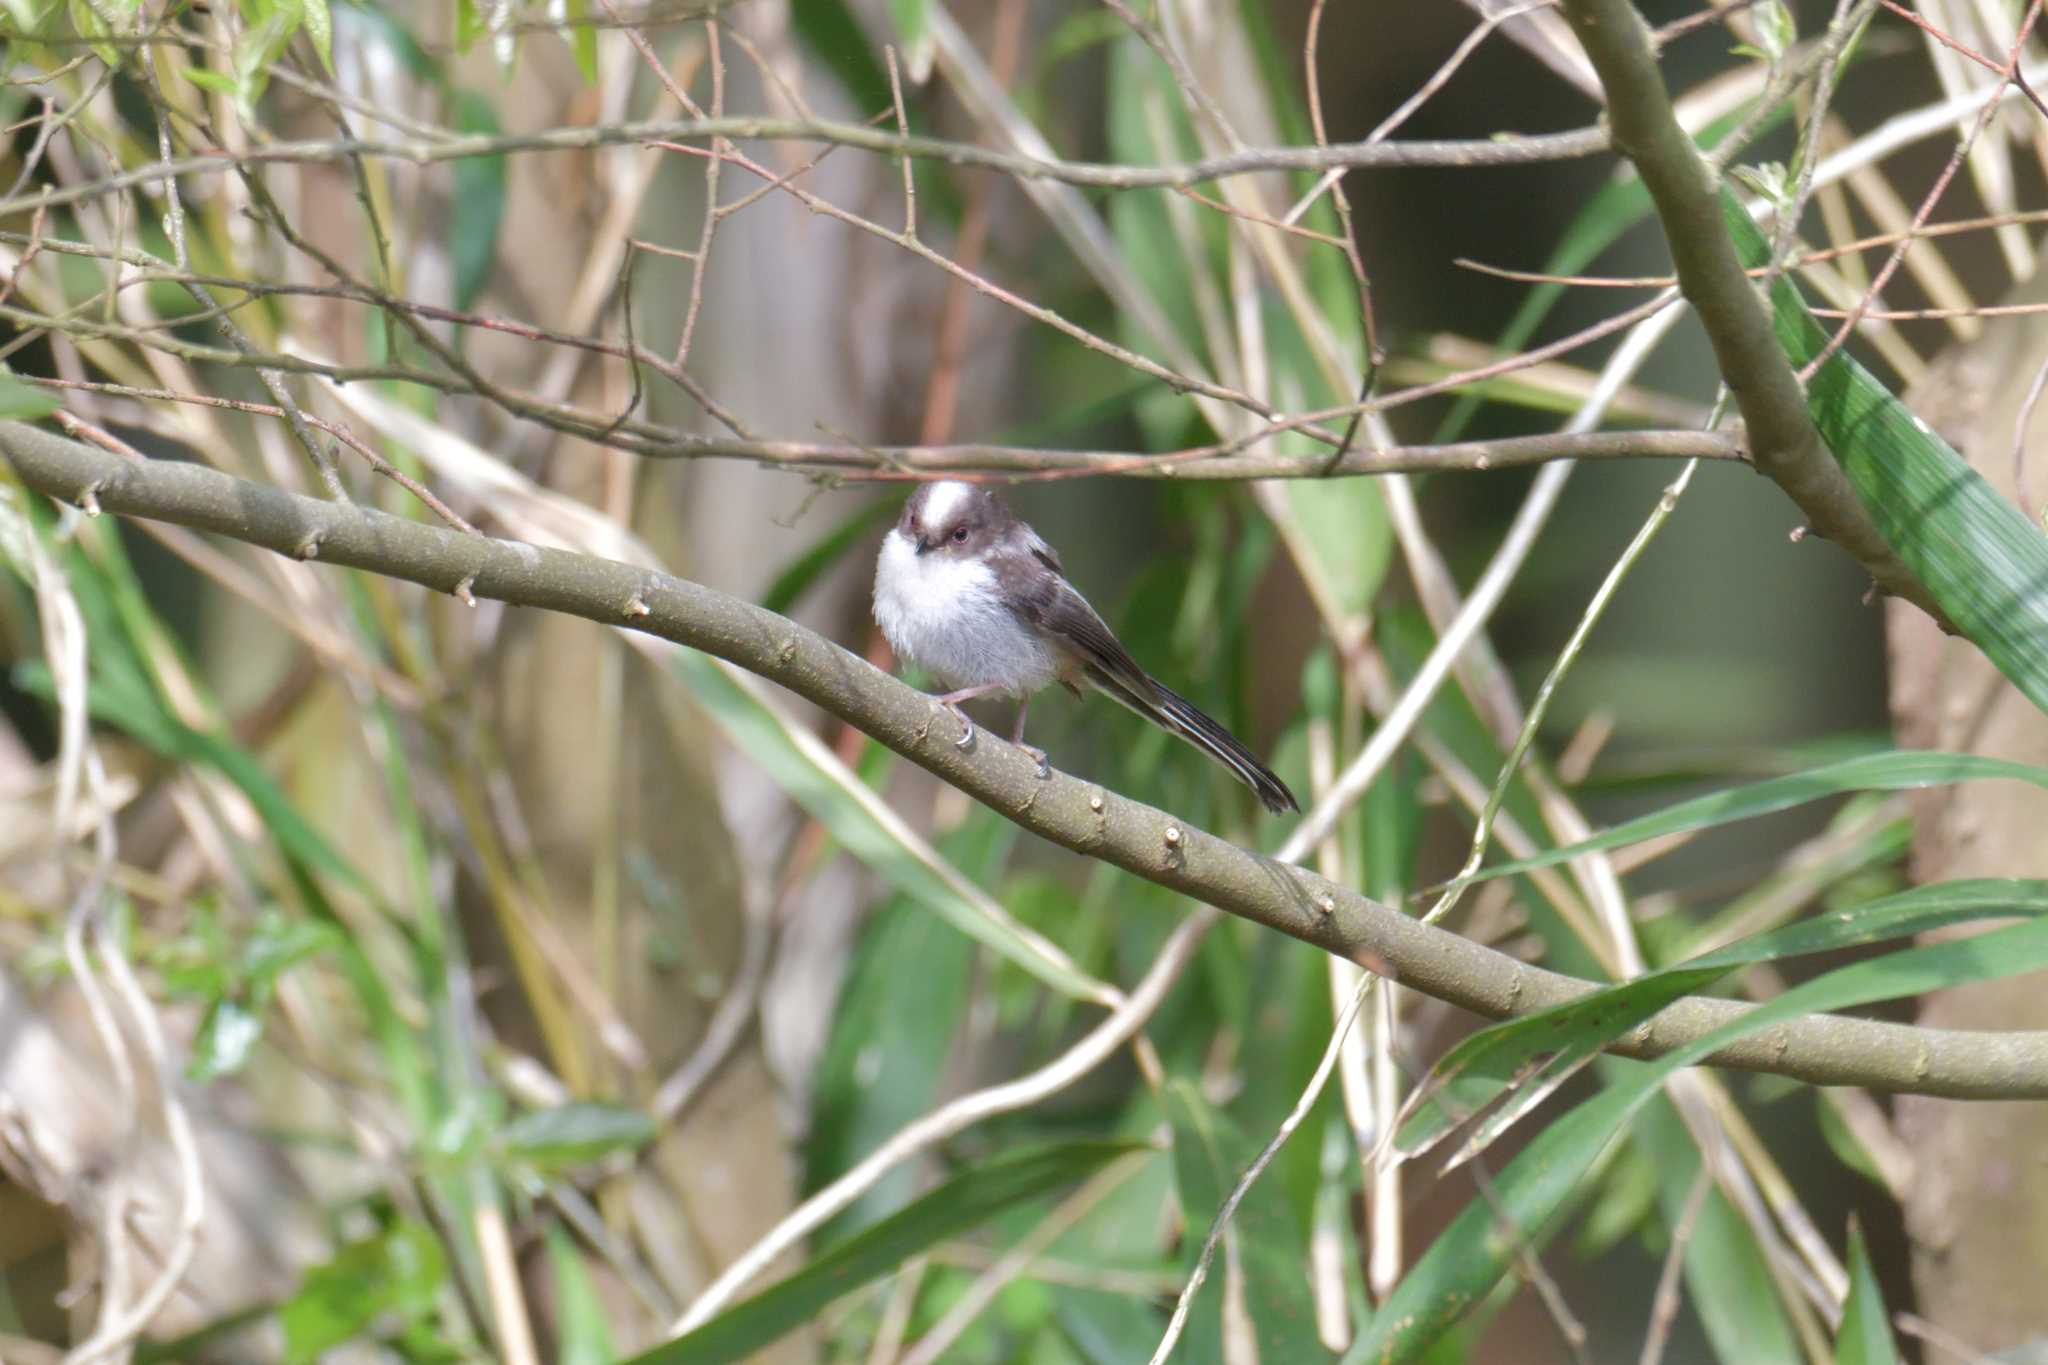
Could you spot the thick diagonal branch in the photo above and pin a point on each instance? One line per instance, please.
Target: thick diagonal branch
(1081, 816)
(1783, 442)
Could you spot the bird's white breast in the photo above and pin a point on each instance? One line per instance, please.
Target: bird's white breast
(946, 615)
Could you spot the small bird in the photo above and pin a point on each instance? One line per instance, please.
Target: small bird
(976, 598)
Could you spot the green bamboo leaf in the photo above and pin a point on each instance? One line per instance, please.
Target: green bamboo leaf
(278, 943)
(227, 1035)
(1844, 1141)
(22, 402)
(258, 49)
(800, 573)
(478, 207)
(1729, 1283)
(1897, 770)
(1349, 535)
(1980, 558)
(864, 825)
(1615, 208)
(1532, 1056)
(1621, 1205)
(1524, 1200)
(973, 1196)
(470, 24)
(913, 22)
(840, 45)
(583, 1334)
(582, 35)
(399, 1269)
(320, 28)
(93, 27)
(1866, 1334)
(886, 1056)
(573, 1134)
(1527, 1059)
(1104, 1328)
(1272, 1244)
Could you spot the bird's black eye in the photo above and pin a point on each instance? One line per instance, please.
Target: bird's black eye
(960, 535)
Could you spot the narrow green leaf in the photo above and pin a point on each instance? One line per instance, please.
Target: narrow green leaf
(583, 1333)
(976, 1194)
(320, 28)
(1105, 1328)
(886, 1056)
(1899, 770)
(863, 824)
(90, 26)
(227, 1035)
(1980, 558)
(216, 81)
(280, 942)
(800, 573)
(1524, 1198)
(401, 1269)
(1843, 1140)
(914, 37)
(21, 402)
(1866, 1334)
(257, 49)
(1623, 1203)
(1348, 533)
(1209, 1154)
(1729, 1283)
(469, 24)
(574, 1134)
(478, 208)
(1614, 209)
(1915, 910)
(1528, 1059)
(1532, 1056)
(839, 43)
(1776, 28)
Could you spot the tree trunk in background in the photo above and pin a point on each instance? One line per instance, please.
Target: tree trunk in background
(1977, 1209)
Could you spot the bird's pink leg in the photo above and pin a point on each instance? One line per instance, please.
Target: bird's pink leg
(1017, 738)
(951, 701)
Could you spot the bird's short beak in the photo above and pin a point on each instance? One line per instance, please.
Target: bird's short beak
(923, 545)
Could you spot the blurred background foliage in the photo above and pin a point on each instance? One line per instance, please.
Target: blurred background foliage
(515, 977)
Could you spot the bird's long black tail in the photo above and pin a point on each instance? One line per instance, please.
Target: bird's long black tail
(1170, 711)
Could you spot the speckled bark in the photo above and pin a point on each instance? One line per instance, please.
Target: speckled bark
(1977, 1210)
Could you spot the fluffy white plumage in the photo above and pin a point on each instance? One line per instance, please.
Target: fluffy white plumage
(945, 615)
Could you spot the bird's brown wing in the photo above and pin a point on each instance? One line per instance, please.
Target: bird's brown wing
(1043, 598)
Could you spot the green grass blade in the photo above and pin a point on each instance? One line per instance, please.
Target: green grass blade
(582, 1320)
(1899, 770)
(1208, 1155)
(1729, 1282)
(1866, 1334)
(865, 825)
(1612, 210)
(1533, 1055)
(969, 1198)
(885, 1059)
(800, 574)
(1981, 559)
(1525, 1198)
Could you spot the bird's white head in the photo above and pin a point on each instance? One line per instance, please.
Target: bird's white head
(953, 519)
